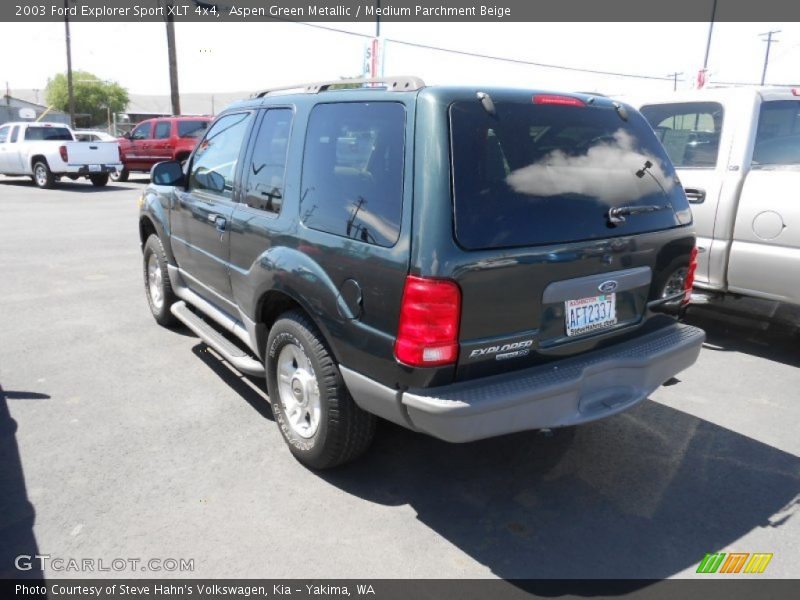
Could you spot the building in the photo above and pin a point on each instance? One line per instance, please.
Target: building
(16, 109)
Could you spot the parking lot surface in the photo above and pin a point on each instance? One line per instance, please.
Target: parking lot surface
(122, 439)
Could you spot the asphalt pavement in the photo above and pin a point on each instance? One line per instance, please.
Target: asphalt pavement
(120, 439)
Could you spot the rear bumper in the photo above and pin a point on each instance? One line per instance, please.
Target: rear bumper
(88, 169)
(567, 392)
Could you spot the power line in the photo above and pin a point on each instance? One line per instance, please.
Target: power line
(487, 56)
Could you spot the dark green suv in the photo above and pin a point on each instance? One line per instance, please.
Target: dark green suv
(465, 262)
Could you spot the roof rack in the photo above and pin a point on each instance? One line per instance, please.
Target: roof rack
(392, 84)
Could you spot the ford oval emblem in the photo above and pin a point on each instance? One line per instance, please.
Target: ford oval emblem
(607, 286)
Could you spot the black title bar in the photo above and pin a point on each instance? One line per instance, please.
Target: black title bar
(203, 11)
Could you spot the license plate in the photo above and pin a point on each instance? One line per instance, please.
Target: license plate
(590, 314)
(94, 168)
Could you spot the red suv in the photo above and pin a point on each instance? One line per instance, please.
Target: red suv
(157, 140)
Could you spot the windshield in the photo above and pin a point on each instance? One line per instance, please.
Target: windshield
(538, 174)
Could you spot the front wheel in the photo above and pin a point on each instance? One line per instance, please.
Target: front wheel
(318, 418)
(42, 175)
(157, 285)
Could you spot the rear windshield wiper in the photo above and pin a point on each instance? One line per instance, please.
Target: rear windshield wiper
(616, 214)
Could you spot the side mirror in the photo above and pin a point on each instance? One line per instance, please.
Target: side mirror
(127, 135)
(167, 173)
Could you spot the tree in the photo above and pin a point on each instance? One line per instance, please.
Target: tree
(93, 96)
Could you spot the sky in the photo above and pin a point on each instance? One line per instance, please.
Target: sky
(234, 57)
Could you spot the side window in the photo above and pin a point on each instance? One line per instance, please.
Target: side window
(142, 132)
(4, 134)
(14, 134)
(192, 129)
(214, 164)
(162, 130)
(689, 131)
(265, 174)
(352, 183)
(778, 134)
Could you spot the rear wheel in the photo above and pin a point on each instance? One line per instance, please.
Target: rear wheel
(157, 285)
(42, 176)
(120, 176)
(318, 418)
(99, 180)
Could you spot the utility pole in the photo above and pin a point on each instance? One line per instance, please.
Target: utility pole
(675, 80)
(378, 19)
(70, 91)
(173, 62)
(701, 77)
(769, 41)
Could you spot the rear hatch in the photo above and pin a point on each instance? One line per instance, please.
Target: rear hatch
(568, 215)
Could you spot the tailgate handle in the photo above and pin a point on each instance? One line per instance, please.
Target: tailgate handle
(695, 195)
(92, 147)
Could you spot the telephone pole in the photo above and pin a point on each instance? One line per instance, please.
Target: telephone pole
(674, 80)
(173, 62)
(769, 41)
(70, 91)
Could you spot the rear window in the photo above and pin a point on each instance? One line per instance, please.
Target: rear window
(60, 134)
(778, 134)
(191, 129)
(543, 174)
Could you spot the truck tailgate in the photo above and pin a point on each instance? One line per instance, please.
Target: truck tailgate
(93, 153)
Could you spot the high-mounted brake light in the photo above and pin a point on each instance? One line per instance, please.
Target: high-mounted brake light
(554, 99)
(429, 315)
(62, 150)
(689, 282)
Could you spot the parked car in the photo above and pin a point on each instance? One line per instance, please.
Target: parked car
(737, 152)
(90, 135)
(463, 262)
(45, 152)
(157, 140)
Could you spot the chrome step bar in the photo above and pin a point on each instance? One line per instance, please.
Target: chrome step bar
(214, 339)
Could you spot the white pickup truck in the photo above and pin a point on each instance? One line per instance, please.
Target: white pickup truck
(45, 152)
(737, 154)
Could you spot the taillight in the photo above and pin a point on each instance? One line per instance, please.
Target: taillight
(555, 99)
(689, 282)
(429, 314)
(62, 150)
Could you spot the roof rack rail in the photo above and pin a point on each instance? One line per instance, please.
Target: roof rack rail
(392, 84)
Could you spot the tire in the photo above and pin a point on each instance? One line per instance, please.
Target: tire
(99, 180)
(315, 413)
(120, 176)
(157, 285)
(672, 282)
(42, 175)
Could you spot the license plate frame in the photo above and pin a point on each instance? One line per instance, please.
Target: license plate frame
(590, 314)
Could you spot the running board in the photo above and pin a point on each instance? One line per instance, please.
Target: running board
(229, 351)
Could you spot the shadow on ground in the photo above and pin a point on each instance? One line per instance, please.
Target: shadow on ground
(67, 185)
(728, 334)
(642, 495)
(16, 512)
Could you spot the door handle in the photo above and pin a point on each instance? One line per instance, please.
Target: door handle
(221, 223)
(695, 195)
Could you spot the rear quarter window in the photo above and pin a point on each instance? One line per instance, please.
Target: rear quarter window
(191, 129)
(542, 174)
(352, 182)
